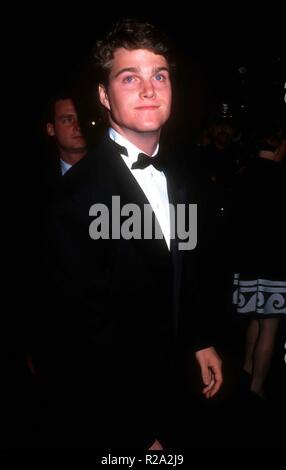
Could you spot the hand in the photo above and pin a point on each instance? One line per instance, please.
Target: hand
(156, 446)
(210, 364)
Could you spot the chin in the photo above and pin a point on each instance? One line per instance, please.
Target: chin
(150, 127)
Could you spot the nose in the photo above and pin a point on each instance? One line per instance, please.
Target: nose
(147, 90)
(76, 126)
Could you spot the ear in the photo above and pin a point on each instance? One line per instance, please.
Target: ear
(103, 96)
(50, 129)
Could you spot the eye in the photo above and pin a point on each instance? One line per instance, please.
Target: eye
(128, 79)
(67, 120)
(160, 77)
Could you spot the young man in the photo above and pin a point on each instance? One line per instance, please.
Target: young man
(63, 125)
(117, 284)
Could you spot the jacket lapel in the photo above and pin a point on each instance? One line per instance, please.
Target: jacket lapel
(130, 192)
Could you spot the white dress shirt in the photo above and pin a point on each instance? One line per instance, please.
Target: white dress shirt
(152, 182)
(65, 167)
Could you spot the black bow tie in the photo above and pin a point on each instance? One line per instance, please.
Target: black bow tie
(144, 160)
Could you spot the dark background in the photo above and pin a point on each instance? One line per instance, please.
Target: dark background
(226, 55)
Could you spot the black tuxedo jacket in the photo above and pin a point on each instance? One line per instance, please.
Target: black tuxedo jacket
(114, 308)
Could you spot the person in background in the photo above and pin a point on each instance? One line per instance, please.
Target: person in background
(259, 233)
(64, 127)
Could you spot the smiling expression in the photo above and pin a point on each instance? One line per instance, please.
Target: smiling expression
(138, 96)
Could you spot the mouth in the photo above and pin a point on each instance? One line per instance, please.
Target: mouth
(146, 108)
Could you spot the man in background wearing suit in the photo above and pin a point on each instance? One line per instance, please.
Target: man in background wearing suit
(115, 308)
(62, 125)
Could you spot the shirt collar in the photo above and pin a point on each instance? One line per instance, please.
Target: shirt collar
(132, 150)
(65, 167)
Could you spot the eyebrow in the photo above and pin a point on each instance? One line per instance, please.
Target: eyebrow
(137, 70)
(65, 115)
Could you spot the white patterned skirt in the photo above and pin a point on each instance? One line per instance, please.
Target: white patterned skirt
(262, 298)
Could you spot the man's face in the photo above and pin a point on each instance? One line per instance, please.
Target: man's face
(66, 128)
(139, 95)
